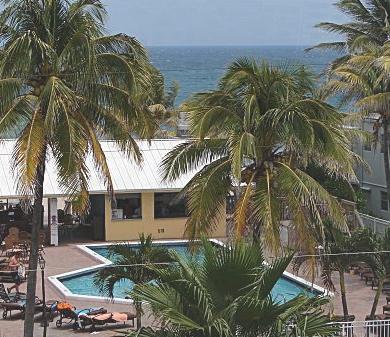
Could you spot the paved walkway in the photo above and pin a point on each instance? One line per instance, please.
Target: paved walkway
(359, 297)
(69, 257)
(60, 260)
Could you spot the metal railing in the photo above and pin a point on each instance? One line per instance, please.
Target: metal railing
(375, 224)
(375, 328)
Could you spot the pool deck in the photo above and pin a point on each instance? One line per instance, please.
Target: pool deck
(69, 257)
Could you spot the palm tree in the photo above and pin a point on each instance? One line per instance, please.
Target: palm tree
(364, 80)
(366, 240)
(255, 135)
(366, 35)
(226, 294)
(163, 108)
(333, 257)
(131, 263)
(369, 26)
(64, 84)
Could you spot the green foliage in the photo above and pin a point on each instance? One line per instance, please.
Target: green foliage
(334, 247)
(360, 78)
(131, 263)
(368, 26)
(171, 94)
(337, 187)
(365, 240)
(256, 134)
(228, 294)
(65, 84)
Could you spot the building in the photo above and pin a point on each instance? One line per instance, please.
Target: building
(373, 184)
(144, 203)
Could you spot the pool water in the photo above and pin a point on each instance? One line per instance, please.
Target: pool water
(82, 284)
(181, 248)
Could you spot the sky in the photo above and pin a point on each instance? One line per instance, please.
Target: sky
(222, 22)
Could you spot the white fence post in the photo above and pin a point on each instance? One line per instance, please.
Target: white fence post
(375, 328)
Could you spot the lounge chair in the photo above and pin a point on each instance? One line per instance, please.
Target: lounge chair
(386, 309)
(17, 302)
(6, 276)
(10, 297)
(107, 318)
(364, 271)
(68, 312)
(13, 303)
(369, 277)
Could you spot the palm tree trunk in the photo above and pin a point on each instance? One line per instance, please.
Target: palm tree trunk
(386, 155)
(343, 294)
(33, 260)
(138, 313)
(376, 298)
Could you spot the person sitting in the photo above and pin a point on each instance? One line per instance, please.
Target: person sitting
(16, 266)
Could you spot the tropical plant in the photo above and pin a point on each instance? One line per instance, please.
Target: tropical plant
(131, 263)
(362, 72)
(369, 27)
(255, 135)
(228, 293)
(364, 80)
(64, 84)
(164, 110)
(333, 256)
(171, 95)
(365, 240)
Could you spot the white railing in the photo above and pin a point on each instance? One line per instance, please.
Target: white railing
(377, 328)
(375, 224)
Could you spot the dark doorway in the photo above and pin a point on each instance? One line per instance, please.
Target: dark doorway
(97, 216)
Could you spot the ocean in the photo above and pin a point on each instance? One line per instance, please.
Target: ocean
(198, 69)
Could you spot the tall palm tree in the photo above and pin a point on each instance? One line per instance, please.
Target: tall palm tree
(332, 258)
(366, 35)
(131, 263)
(64, 84)
(369, 26)
(163, 108)
(365, 240)
(226, 294)
(364, 80)
(255, 135)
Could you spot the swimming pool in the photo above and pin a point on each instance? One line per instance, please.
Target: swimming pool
(81, 283)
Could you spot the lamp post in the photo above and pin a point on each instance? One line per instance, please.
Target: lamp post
(42, 264)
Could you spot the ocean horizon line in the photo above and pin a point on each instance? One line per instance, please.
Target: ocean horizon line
(222, 45)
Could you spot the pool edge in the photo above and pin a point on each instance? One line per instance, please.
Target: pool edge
(68, 294)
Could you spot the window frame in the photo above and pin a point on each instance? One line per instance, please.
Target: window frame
(170, 215)
(124, 197)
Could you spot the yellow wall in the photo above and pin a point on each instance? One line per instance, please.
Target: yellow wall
(129, 229)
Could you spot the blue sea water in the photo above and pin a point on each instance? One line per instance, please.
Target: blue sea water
(83, 284)
(198, 69)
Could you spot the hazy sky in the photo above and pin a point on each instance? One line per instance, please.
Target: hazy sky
(222, 22)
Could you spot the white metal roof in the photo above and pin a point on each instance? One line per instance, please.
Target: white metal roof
(126, 175)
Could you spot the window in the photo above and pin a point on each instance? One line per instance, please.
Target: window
(384, 201)
(128, 206)
(168, 205)
(367, 145)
